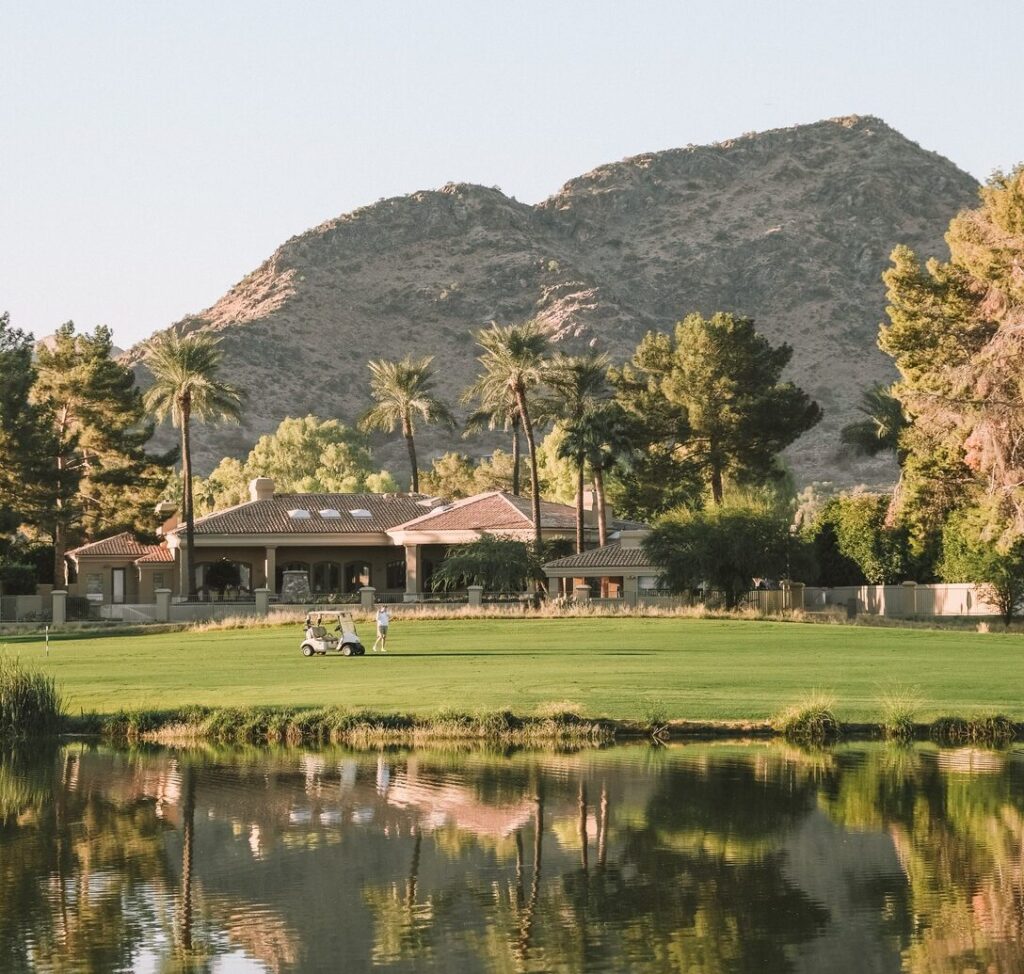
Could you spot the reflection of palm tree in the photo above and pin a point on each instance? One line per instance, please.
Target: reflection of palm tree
(602, 829)
(584, 838)
(414, 868)
(526, 921)
(188, 814)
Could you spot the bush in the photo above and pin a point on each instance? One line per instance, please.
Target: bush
(17, 579)
(812, 721)
(30, 704)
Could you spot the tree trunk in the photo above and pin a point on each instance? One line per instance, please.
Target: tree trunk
(186, 497)
(60, 567)
(716, 483)
(411, 446)
(524, 415)
(515, 459)
(580, 487)
(602, 525)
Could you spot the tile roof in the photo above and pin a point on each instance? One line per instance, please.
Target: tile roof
(271, 516)
(495, 511)
(119, 545)
(156, 553)
(610, 556)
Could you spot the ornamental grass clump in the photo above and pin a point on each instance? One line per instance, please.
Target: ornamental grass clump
(810, 721)
(900, 706)
(30, 704)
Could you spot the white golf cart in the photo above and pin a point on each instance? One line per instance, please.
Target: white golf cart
(318, 640)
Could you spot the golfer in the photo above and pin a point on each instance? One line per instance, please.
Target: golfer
(383, 621)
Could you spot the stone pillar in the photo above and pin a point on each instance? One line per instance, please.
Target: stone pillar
(270, 569)
(476, 594)
(367, 597)
(163, 605)
(796, 596)
(60, 607)
(581, 593)
(909, 600)
(413, 573)
(262, 600)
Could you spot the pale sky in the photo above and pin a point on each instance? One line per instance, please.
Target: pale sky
(152, 154)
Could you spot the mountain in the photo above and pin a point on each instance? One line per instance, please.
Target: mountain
(792, 227)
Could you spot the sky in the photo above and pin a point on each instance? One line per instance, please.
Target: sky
(153, 154)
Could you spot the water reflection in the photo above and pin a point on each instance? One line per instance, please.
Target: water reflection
(702, 858)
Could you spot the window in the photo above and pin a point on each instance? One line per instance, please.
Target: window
(94, 587)
(326, 577)
(357, 574)
(330, 513)
(360, 513)
(159, 581)
(299, 515)
(396, 575)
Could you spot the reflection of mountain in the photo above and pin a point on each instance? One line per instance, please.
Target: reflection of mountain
(678, 859)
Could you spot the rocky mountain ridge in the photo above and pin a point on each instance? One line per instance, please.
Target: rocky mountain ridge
(792, 227)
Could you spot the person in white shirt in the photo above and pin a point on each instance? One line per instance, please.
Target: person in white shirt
(383, 621)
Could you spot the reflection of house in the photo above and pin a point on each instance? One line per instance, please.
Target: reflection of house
(341, 541)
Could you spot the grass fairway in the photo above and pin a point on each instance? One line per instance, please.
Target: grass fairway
(609, 667)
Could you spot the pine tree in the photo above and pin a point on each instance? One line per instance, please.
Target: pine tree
(104, 481)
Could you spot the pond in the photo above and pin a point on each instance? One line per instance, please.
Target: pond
(700, 858)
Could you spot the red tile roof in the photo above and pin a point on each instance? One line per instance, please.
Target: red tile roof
(495, 511)
(609, 557)
(156, 553)
(271, 516)
(119, 545)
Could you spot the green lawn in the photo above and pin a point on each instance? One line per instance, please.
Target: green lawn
(621, 668)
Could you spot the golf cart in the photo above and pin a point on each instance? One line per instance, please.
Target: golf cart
(319, 641)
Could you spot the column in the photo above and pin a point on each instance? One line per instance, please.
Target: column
(476, 594)
(367, 597)
(270, 568)
(581, 593)
(413, 573)
(60, 607)
(163, 605)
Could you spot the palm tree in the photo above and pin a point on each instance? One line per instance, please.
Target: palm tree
(513, 362)
(502, 414)
(186, 387)
(879, 431)
(580, 383)
(403, 390)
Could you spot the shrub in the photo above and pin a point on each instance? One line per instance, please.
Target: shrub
(899, 712)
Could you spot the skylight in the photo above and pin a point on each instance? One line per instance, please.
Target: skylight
(299, 514)
(330, 512)
(360, 512)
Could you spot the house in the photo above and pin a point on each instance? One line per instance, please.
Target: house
(341, 542)
(623, 562)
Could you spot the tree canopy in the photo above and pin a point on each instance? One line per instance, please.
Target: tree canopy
(304, 455)
(713, 398)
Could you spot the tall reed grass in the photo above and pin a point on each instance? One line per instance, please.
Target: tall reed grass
(810, 721)
(31, 706)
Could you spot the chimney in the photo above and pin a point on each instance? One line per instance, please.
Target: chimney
(167, 512)
(632, 538)
(261, 489)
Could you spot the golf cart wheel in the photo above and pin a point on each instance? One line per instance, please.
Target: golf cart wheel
(346, 650)
(307, 650)
(360, 650)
